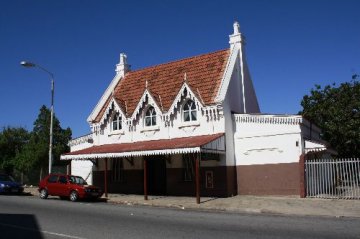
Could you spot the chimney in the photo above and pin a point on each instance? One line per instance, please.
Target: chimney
(122, 68)
(236, 37)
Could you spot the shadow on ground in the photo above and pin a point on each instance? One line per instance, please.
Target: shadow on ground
(16, 226)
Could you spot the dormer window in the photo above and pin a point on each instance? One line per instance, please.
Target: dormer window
(116, 122)
(150, 117)
(189, 111)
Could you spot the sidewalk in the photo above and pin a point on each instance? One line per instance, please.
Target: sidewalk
(245, 204)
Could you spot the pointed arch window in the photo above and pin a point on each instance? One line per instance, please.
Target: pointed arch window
(116, 122)
(150, 117)
(189, 111)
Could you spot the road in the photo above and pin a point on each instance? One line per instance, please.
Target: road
(31, 217)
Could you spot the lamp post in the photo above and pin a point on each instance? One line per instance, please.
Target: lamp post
(29, 64)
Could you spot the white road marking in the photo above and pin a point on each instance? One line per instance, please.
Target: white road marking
(45, 232)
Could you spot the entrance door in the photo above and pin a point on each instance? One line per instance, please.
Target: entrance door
(156, 176)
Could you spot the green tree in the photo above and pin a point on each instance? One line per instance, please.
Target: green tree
(36, 153)
(337, 111)
(12, 141)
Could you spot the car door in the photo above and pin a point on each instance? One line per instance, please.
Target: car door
(62, 186)
(51, 184)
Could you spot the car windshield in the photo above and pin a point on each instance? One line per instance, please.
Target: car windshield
(77, 180)
(5, 177)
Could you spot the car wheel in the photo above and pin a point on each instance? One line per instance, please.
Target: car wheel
(74, 196)
(43, 193)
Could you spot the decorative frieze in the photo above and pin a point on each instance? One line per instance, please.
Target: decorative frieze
(83, 139)
(269, 119)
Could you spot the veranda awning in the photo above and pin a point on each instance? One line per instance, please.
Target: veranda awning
(214, 143)
(313, 146)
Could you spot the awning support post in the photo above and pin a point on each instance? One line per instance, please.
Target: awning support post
(105, 178)
(197, 177)
(145, 180)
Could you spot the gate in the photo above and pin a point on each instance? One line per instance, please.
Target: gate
(332, 178)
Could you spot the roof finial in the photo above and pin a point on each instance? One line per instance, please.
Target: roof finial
(236, 28)
(185, 77)
(146, 84)
(236, 37)
(123, 67)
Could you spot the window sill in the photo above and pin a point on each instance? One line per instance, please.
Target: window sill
(150, 128)
(189, 124)
(116, 132)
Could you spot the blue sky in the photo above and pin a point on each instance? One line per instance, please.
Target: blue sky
(291, 46)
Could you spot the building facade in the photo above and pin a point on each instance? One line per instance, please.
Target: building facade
(191, 127)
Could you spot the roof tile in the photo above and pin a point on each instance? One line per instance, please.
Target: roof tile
(185, 142)
(204, 74)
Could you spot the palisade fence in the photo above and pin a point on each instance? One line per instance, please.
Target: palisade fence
(333, 178)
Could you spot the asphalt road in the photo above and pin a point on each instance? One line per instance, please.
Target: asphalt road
(31, 217)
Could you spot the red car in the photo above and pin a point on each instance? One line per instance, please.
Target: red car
(67, 186)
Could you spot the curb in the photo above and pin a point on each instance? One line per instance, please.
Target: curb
(223, 209)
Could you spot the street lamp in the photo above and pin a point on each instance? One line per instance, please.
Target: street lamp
(29, 64)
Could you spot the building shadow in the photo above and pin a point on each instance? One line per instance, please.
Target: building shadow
(16, 226)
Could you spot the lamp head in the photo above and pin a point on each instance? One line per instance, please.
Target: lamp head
(27, 64)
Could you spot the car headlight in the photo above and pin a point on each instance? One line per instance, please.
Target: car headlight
(2, 185)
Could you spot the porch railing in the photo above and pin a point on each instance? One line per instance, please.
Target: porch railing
(332, 178)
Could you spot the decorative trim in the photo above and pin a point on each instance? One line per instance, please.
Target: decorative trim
(214, 112)
(189, 94)
(104, 97)
(142, 153)
(189, 124)
(269, 119)
(116, 132)
(227, 74)
(132, 154)
(150, 128)
(110, 107)
(247, 152)
(83, 139)
(142, 101)
(313, 146)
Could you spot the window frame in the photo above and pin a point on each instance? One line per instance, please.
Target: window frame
(191, 108)
(152, 117)
(116, 120)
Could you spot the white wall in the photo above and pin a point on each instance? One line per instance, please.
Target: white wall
(82, 168)
(169, 125)
(263, 141)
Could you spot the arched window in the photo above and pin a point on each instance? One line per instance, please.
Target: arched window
(150, 117)
(116, 122)
(189, 111)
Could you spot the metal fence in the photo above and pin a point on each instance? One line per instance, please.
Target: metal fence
(332, 178)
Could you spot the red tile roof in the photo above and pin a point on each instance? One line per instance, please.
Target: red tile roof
(186, 142)
(204, 74)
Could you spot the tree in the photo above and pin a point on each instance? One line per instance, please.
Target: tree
(12, 141)
(36, 153)
(336, 110)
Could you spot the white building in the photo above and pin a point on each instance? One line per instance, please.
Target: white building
(191, 126)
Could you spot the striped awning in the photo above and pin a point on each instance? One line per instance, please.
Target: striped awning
(206, 143)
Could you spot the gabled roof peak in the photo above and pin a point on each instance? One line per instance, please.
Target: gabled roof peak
(203, 74)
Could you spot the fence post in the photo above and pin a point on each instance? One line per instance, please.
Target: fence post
(302, 176)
